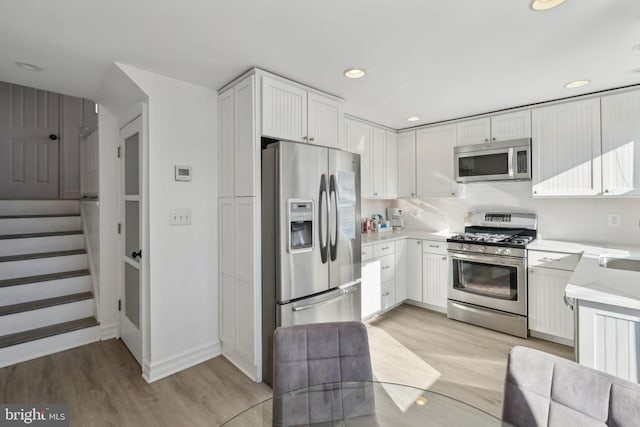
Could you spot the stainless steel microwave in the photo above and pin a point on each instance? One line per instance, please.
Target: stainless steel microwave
(495, 161)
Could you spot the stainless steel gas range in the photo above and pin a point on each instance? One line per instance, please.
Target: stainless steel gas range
(488, 271)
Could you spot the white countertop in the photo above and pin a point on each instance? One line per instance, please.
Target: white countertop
(371, 238)
(591, 282)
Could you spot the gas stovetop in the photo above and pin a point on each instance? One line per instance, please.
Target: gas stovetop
(511, 239)
(495, 233)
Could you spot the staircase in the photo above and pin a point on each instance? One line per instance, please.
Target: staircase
(46, 299)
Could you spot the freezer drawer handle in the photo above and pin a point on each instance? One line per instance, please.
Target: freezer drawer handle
(321, 303)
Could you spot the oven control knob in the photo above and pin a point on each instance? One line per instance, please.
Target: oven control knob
(466, 247)
(499, 250)
(482, 249)
(459, 246)
(507, 251)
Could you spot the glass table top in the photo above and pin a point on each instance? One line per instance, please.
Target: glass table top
(363, 404)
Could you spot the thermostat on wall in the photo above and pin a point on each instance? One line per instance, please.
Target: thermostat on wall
(183, 173)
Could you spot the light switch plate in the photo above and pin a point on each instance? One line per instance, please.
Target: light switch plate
(180, 217)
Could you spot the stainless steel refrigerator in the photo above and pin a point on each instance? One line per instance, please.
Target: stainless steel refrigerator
(310, 238)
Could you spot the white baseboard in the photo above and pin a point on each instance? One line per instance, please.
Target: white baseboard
(108, 332)
(241, 364)
(427, 306)
(154, 371)
(552, 338)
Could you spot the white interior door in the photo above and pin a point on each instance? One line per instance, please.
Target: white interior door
(131, 295)
(29, 143)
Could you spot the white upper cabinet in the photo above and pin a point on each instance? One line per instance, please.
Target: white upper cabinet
(378, 159)
(434, 155)
(407, 164)
(511, 126)
(391, 165)
(226, 144)
(378, 169)
(621, 144)
(476, 131)
(324, 121)
(291, 112)
(360, 141)
(566, 149)
(237, 155)
(247, 158)
(501, 127)
(284, 110)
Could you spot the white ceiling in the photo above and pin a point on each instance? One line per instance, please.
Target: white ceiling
(435, 59)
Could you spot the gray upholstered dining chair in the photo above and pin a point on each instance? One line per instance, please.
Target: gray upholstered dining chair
(322, 356)
(546, 390)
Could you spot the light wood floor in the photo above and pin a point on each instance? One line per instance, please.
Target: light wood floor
(418, 347)
(102, 385)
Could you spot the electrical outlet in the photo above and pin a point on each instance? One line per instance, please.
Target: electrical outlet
(613, 220)
(180, 217)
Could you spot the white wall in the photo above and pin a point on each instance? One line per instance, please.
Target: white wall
(71, 120)
(183, 289)
(573, 219)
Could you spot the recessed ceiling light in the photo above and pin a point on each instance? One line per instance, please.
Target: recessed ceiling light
(354, 73)
(421, 401)
(413, 119)
(577, 83)
(28, 67)
(540, 5)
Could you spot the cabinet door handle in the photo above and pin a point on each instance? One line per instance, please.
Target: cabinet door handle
(418, 242)
(311, 139)
(385, 248)
(413, 194)
(305, 138)
(486, 140)
(547, 259)
(493, 139)
(386, 294)
(386, 267)
(434, 246)
(444, 258)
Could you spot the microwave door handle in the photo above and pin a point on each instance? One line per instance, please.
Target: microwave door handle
(333, 239)
(511, 155)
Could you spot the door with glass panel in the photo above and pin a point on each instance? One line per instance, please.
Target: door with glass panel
(130, 296)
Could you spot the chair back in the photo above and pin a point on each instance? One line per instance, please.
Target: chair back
(545, 390)
(321, 357)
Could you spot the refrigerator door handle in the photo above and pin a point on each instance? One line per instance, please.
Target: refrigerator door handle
(333, 239)
(322, 234)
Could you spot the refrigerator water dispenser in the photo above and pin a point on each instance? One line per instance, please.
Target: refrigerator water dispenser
(300, 225)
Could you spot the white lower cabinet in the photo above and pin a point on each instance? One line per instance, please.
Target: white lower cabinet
(435, 274)
(401, 270)
(237, 276)
(548, 313)
(370, 289)
(414, 269)
(609, 339)
(548, 275)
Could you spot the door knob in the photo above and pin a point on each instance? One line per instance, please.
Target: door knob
(53, 137)
(135, 254)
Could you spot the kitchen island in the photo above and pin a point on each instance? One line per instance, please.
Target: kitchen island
(605, 293)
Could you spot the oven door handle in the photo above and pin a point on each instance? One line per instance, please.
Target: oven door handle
(488, 259)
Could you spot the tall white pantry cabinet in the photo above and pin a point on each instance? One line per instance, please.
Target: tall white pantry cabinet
(256, 104)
